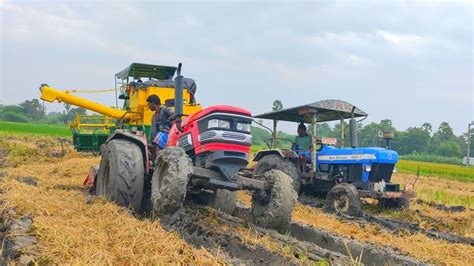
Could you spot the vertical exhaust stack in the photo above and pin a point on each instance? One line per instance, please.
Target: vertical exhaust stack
(353, 126)
(178, 98)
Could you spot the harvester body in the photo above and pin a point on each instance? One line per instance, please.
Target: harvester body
(134, 111)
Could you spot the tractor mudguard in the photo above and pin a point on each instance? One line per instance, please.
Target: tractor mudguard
(284, 153)
(137, 138)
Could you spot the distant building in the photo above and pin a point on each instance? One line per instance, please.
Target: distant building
(471, 160)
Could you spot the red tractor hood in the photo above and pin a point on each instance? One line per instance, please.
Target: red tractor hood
(215, 109)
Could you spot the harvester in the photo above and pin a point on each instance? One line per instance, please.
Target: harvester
(343, 175)
(206, 155)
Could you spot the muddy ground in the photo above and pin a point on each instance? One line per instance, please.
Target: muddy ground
(45, 204)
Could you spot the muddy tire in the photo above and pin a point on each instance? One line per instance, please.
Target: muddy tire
(170, 179)
(402, 203)
(272, 207)
(121, 173)
(276, 162)
(224, 200)
(344, 199)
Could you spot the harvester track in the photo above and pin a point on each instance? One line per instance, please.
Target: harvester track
(395, 226)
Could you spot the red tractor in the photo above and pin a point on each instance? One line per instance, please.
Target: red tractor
(207, 154)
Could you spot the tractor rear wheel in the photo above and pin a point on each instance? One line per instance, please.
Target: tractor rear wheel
(224, 200)
(402, 203)
(276, 162)
(344, 199)
(272, 206)
(121, 173)
(170, 179)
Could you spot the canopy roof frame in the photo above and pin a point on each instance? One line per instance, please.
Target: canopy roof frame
(140, 70)
(326, 110)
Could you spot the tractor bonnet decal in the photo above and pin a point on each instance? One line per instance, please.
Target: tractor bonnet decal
(347, 157)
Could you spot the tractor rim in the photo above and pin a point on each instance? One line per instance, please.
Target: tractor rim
(341, 203)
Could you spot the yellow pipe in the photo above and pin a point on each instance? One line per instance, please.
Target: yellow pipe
(50, 95)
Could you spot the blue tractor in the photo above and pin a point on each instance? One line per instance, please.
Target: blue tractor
(343, 175)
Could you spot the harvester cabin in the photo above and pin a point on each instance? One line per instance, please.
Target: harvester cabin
(138, 81)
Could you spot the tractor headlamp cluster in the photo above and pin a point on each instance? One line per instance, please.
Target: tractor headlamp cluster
(243, 127)
(218, 123)
(226, 124)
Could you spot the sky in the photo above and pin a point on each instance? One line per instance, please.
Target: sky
(411, 62)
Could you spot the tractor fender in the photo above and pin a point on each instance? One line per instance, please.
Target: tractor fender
(283, 153)
(139, 139)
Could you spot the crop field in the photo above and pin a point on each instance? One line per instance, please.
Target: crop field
(36, 129)
(71, 228)
(455, 172)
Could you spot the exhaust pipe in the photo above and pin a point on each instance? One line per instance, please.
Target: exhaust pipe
(353, 126)
(178, 98)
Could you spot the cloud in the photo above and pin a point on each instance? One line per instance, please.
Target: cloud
(376, 54)
(410, 43)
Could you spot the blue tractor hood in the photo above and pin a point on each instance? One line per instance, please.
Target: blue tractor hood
(370, 155)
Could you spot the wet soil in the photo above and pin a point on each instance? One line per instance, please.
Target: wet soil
(395, 226)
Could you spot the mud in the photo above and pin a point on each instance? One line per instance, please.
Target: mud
(17, 238)
(395, 226)
(371, 254)
(29, 180)
(442, 207)
(204, 227)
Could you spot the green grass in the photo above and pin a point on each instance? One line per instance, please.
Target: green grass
(36, 129)
(432, 158)
(256, 148)
(455, 172)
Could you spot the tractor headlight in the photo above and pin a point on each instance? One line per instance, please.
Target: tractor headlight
(213, 123)
(243, 127)
(395, 169)
(367, 168)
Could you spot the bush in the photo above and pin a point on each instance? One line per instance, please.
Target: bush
(13, 117)
(449, 149)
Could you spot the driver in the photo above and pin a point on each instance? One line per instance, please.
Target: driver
(160, 122)
(303, 143)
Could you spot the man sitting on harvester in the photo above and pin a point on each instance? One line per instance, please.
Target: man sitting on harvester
(160, 122)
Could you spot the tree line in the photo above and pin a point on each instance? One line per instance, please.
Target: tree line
(423, 142)
(34, 111)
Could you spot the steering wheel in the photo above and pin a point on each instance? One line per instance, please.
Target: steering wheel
(269, 145)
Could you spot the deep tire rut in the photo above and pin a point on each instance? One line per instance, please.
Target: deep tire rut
(392, 225)
(217, 232)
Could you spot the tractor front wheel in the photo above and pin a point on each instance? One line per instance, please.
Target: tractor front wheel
(276, 162)
(121, 173)
(170, 179)
(344, 199)
(272, 206)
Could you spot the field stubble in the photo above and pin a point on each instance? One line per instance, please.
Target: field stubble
(66, 226)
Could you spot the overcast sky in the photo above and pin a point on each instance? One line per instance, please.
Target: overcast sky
(410, 62)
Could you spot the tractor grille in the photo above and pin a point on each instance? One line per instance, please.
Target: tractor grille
(233, 136)
(184, 143)
(381, 171)
(207, 135)
(226, 137)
